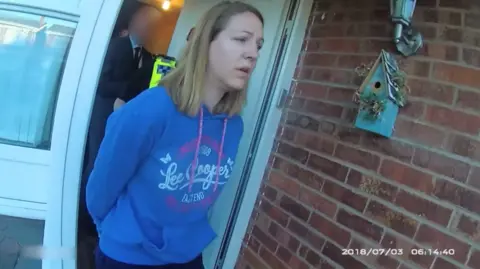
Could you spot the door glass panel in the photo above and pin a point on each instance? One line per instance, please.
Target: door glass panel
(15, 234)
(33, 50)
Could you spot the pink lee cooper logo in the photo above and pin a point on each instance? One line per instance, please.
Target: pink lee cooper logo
(176, 179)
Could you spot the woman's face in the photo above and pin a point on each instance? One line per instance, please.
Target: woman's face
(234, 52)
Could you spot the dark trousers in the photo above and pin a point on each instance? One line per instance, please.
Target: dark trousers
(104, 262)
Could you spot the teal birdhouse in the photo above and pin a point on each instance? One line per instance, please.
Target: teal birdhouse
(380, 96)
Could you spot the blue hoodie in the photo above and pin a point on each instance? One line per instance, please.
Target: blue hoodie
(156, 175)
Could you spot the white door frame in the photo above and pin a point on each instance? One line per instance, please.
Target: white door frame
(286, 73)
(96, 23)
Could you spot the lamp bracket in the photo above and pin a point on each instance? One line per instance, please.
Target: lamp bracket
(409, 42)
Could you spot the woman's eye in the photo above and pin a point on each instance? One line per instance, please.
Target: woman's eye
(241, 39)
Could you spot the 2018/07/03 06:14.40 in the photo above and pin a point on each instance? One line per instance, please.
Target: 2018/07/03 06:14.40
(432, 252)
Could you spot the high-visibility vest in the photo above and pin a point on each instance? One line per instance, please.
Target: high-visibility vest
(163, 64)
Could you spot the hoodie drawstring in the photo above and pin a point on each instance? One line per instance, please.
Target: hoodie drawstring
(220, 154)
(197, 150)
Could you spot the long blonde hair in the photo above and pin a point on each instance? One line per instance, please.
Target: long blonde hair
(186, 82)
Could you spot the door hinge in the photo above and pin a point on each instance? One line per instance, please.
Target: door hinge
(282, 99)
(288, 28)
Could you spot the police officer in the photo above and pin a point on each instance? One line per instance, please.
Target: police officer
(162, 65)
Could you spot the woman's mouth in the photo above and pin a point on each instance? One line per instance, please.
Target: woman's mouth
(244, 70)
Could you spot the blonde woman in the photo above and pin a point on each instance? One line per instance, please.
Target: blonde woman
(168, 153)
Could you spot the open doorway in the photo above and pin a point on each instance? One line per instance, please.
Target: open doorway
(156, 45)
(264, 88)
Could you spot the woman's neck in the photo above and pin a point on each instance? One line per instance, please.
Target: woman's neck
(213, 93)
(212, 97)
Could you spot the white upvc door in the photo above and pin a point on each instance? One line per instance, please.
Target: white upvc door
(43, 44)
(97, 20)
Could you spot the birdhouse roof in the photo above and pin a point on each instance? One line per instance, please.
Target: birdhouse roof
(388, 63)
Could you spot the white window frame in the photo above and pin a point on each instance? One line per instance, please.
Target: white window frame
(50, 207)
(29, 198)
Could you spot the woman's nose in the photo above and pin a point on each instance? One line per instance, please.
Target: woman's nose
(252, 52)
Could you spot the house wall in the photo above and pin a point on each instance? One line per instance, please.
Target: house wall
(330, 187)
(163, 33)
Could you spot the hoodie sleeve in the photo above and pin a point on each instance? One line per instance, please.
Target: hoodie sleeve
(129, 136)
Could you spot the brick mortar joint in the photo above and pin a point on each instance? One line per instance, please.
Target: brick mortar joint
(432, 62)
(381, 156)
(359, 214)
(301, 240)
(472, 163)
(258, 256)
(255, 212)
(344, 228)
(469, 161)
(378, 200)
(421, 57)
(423, 100)
(419, 7)
(435, 127)
(420, 120)
(379, 177)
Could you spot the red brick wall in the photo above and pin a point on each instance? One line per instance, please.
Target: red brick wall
(330, 187)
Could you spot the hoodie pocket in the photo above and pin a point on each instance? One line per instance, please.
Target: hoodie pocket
(121, 226)
(182, 244)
